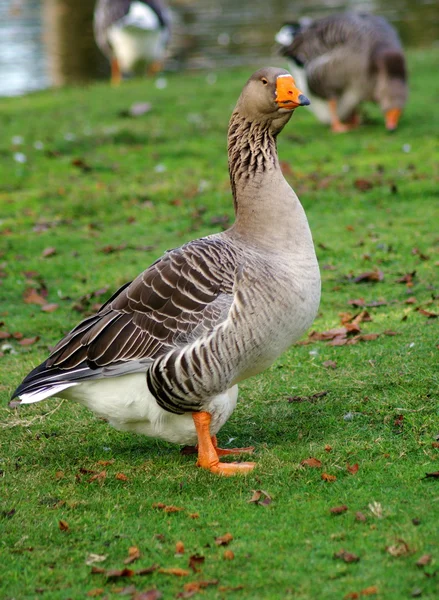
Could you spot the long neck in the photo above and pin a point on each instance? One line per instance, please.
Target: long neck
(268, 211)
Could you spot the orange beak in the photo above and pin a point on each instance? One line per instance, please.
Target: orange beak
(392, 118)
(288, 95)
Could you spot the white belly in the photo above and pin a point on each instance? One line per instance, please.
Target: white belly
(318, 106)
(128, 405)
(136, 48)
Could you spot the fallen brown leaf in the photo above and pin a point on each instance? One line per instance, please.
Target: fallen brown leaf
(224, 540)
(133, 555)
(311, 462)
(424, 560)
(194, 516)
(100, 477)
(338, 510)
(369, 591)
(147, 570)
(369, 277)
(195, 561)
(401, 548)
(428, 313)
(175, 571)
(407, 279)
(63, 525)
(179, 548)
(166, 508)
(29, 341)
(347, 557)
(105, 463)
(257, 495)
(152, 594)
(329, 364)
(193, 587)
(96, 592)
(31, 296)
(434, 475)
(363, 185)
(328, 448)
(435, 444)
(121, 477)
(117, 573)
(353, 469)
(359, 516)
(311, 398)
(228, 555)
(50, 307)
(98, 570)
(48, 252)
(327, 477)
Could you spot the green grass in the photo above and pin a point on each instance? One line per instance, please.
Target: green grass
(118, 193)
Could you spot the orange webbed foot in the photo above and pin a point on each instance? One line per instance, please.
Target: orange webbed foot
(208, 451)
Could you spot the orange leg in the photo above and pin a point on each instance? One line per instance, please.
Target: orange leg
(207, 453)
(116, 75)
(336, 125)
(155, 67)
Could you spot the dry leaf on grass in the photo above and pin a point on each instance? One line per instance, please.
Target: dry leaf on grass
(311, 398)
(224, 540)
(329, 364)
(338, 510)
(347, 557)
(29, 341)
(95, 558)
(401, 548)
(116, 573)
(63, 525)
(133, 555)
(166, 508)
(179, 548)
(175, 571)
(50, 307)
(147, 570)
(193, 587)
(148, 595)
(376, 509)
(228, 555)
(48, 252)
(328, 448)
(31, 296)
(433, 475)
(100, 477)
(121, 477)
(424, 560)
(95, 593)
(261, 498)
(359, 516)
(372, 590)
(353, 469)
(370, 276)
(195, 561)
(311, 462)
(327, 477)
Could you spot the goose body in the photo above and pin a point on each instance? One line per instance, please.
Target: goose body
(346, 59)
(133, 34)
(164, 355)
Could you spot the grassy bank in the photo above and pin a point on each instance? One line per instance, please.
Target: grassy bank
(89, 197)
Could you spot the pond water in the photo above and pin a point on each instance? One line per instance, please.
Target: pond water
(50, 42)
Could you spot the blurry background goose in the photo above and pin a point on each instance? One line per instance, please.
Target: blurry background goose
(51, 42)
(343, 60)
(133, 34)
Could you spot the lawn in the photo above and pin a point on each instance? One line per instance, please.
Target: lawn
(89, 197)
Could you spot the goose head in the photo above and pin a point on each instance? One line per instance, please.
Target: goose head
(270, 97)
(391, 87)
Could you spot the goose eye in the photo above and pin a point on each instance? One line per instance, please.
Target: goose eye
(264, 81)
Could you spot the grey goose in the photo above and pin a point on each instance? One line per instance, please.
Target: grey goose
(345, 59)
(164, 355)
